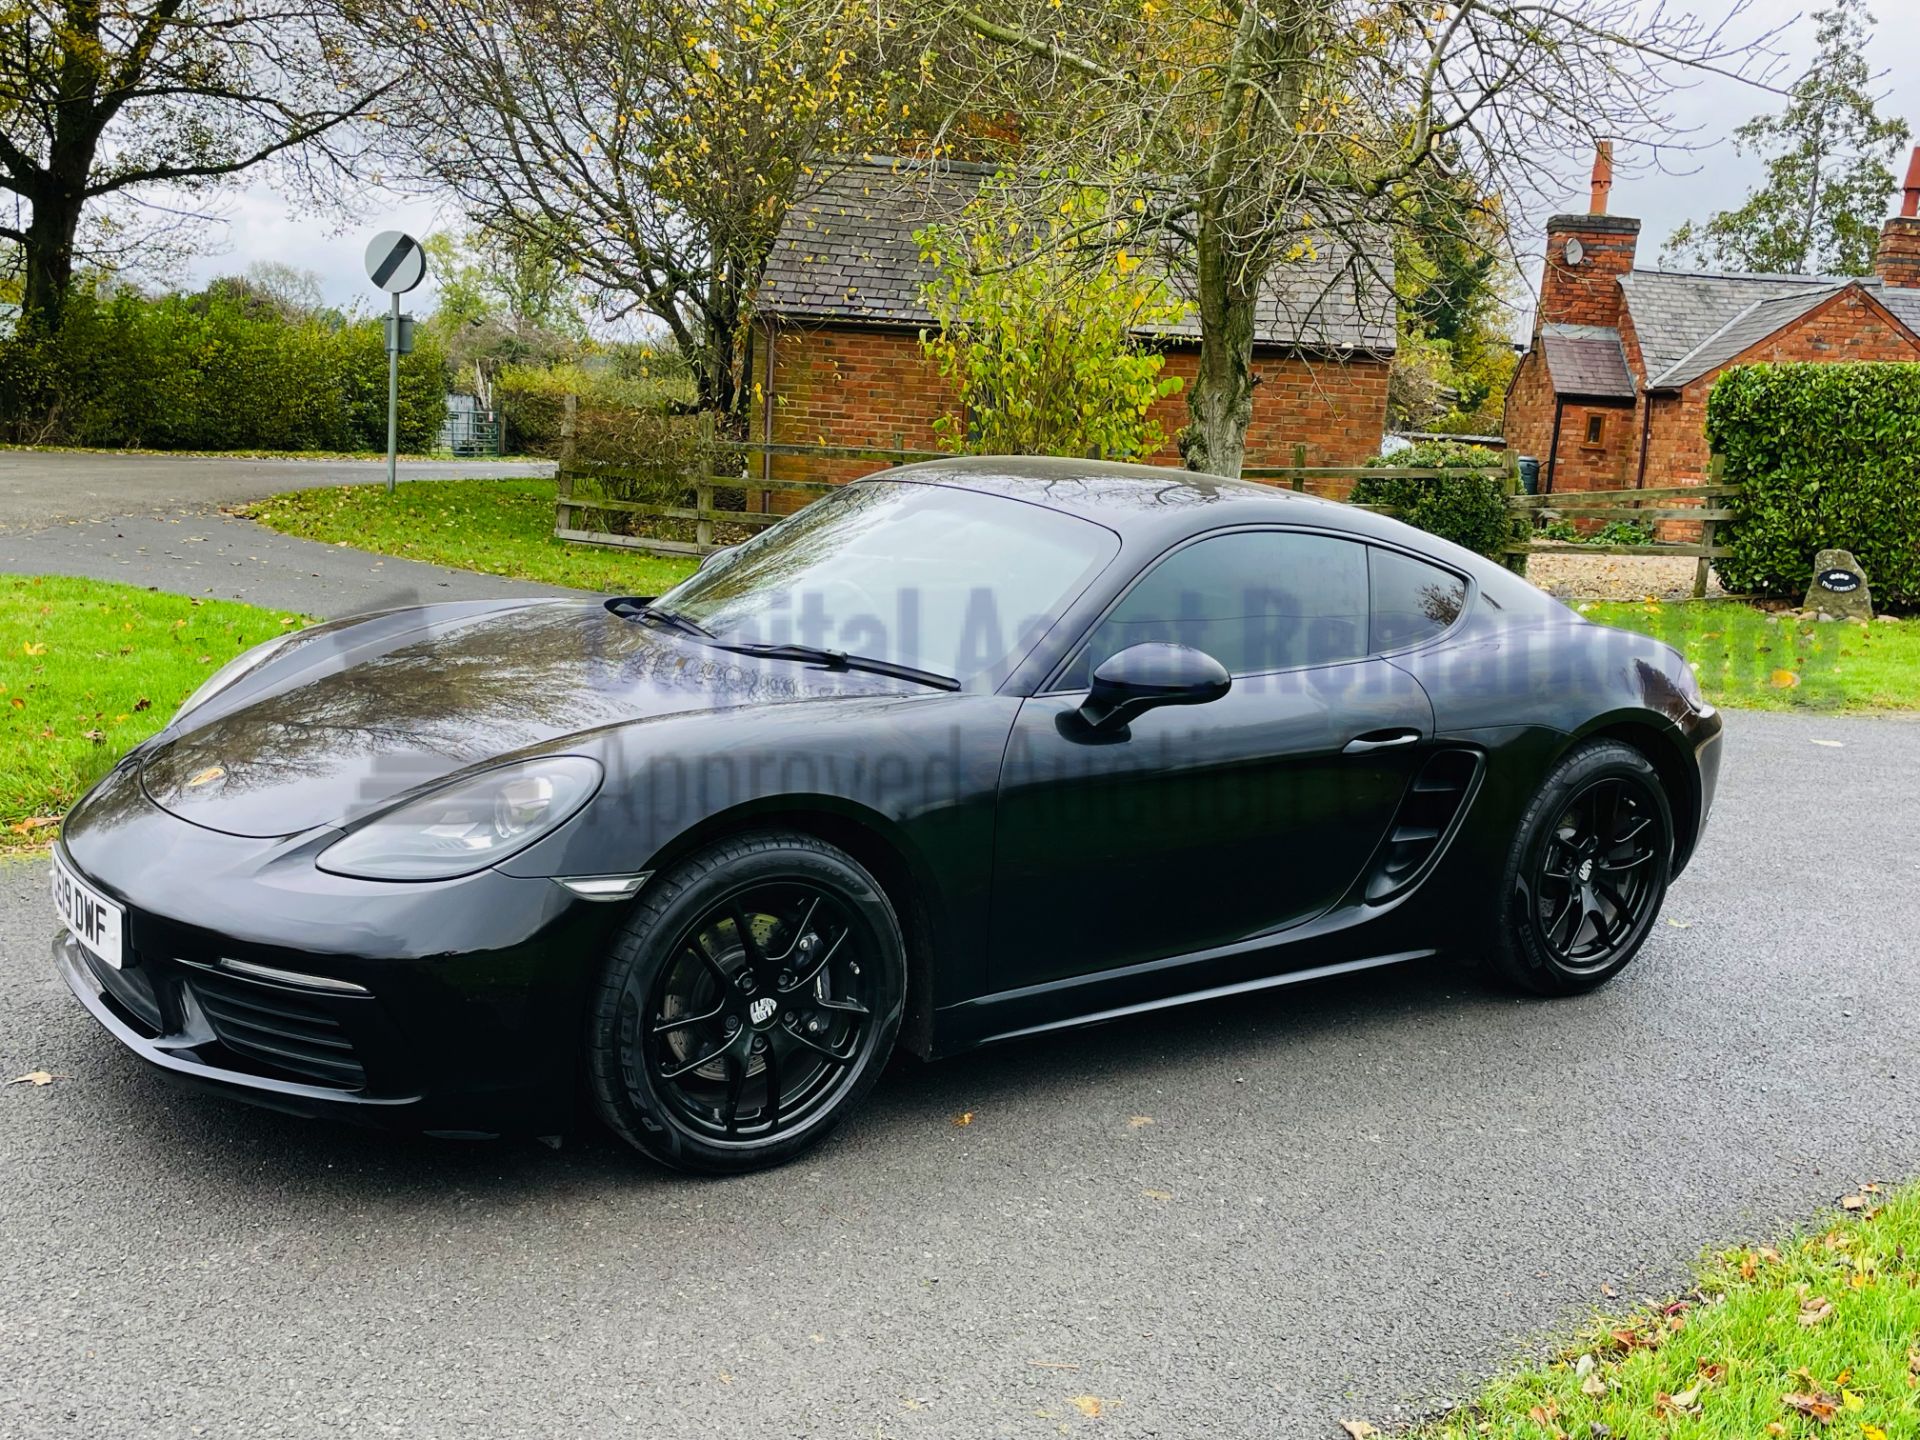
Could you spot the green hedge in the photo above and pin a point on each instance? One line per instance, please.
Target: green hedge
(531, 399)
(1471, 510)
(219, 370)
(1828, 457)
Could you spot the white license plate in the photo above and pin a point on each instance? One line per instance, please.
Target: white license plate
(96, 922)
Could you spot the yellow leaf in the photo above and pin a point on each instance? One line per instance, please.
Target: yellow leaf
(33, 649)
(1087, 1405)
(35, 1078)
(965, 1117)
(1158, 1194)
(1783, 680)
(1135, 1122)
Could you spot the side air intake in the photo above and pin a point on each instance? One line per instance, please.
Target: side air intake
(1427, 816)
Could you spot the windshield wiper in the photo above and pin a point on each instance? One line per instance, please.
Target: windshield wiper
(670, 620)
(837, 660)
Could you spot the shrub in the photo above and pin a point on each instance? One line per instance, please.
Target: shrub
(532, 399)
(1470, 510)
(220, 370)
(1827, 456)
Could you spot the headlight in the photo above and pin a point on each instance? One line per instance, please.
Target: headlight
(468, 825)
(243, 664)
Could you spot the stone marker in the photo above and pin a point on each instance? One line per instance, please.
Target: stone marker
(1839, 590)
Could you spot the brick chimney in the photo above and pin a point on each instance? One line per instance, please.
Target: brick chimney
(1899, 262)
(1586, 254)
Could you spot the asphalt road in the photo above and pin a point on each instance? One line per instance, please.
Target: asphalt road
(40, 487)
(235, 559)
(1376, 1189)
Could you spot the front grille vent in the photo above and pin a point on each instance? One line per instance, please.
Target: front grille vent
(1427, 813)
(278, 1028)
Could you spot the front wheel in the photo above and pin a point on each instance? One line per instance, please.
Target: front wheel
(747, 1005)
(1586, 873)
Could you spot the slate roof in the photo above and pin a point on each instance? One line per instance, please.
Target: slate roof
(1586, 360)
(847, 253)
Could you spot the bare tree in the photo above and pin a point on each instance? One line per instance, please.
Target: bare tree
(102, 100)
(652, 146)
(1247, 133)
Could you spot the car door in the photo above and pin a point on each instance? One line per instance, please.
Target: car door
(1201, 826)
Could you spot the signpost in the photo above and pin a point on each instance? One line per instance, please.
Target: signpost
(395, 264)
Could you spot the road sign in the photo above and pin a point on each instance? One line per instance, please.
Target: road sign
(395, 261)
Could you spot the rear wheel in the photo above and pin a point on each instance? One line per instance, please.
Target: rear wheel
(748, 1004)
(1587, 872)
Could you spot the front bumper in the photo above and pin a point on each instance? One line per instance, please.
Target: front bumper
(454, 1007)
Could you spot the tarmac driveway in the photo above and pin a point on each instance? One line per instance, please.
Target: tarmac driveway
(41, 487)
(1237, 1220)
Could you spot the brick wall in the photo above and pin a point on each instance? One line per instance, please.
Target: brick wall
(848, 385)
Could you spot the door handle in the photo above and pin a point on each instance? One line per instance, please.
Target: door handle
(1380, 740)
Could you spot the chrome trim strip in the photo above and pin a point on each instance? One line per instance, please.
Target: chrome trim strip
(604, 887)
(291, 977)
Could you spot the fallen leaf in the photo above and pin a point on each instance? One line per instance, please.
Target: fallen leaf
(1832, 744)
(1087, 1405)
(1783, 680)
(1593, 1385)
(1814, 1309)
(1774, 1427)
(1853, 1202)
(1681, 924)
(1821, 1407)
(35, 1078)
(1158, 1194)
(143, 703)
(33, 649)
(1135, 1122)
(965, 1117)
(1358, 1429)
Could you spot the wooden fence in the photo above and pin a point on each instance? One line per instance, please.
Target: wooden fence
(752, 501)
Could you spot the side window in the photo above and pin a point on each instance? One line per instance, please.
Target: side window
(1412, 600)
(1254, 600)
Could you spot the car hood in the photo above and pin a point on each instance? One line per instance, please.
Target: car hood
(341, 724)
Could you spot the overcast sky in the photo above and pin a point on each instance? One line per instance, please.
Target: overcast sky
(259, 225)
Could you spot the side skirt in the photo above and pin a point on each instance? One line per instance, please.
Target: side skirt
(981, 1021)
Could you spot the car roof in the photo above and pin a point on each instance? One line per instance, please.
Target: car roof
(1153, 506)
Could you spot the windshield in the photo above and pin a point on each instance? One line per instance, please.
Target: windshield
(944, 580)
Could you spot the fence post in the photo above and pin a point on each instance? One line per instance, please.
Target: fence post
(1716, 475)
(1299, 467)
(703, 527)
(1520, 521)
(563, 471)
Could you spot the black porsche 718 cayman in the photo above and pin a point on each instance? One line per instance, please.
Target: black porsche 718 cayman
(966, 751)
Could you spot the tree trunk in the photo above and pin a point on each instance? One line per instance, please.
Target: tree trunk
(1220, 401)
(47, 256)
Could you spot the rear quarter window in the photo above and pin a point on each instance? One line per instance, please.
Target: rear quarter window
(1412, 601)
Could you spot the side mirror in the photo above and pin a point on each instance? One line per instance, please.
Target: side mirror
(716, 557)
(1143, 676)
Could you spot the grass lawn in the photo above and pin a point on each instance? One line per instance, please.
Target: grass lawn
(499, 527)
(91, 669)
(1817, 1335)
(1747, 657)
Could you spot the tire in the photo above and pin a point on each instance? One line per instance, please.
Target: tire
(1583, 883)
(747, 1005)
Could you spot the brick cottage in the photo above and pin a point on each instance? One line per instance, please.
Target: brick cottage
(1612, 392)
(837, 358)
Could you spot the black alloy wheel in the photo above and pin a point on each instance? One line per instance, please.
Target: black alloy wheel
(1586, 873)
(1596, 873)
(751, 1000)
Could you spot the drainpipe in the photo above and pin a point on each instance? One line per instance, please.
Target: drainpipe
(1646, 431)
(1553, 446)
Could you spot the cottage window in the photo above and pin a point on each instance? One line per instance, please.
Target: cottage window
(1596, 429)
